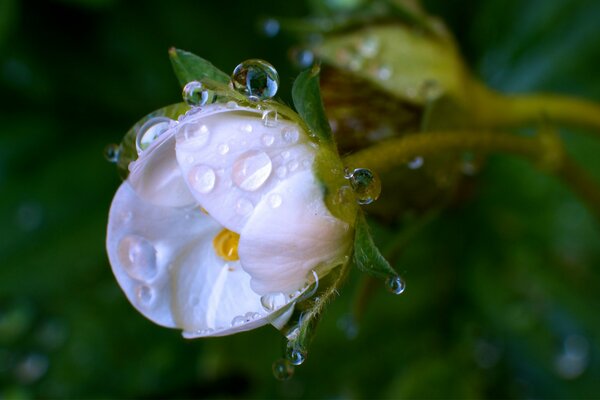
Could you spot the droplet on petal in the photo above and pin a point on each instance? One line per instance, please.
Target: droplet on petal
(275, 200)
(202, 178)
(269, 118)
(366, 185)
(251, 170)
(138, 257)
(194, 94)
(273, 301)
(243, 207)
(257, 79)
(290, 134)
(150, 131)
(195, 136)
(145, 295)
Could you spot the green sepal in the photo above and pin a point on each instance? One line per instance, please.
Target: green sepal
(367, 256)
(306, 95)
(190, 67)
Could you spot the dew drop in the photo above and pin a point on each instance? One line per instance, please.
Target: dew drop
(290, 135)
(415, 163)
(295, 355)
(202, 178)
(269, 118)
(293, 165)
(283, 369)
(223, 148)
(275, 200)
(366, 185)
(257, 79)
(395, 285)
(273, 301)
(196, 136)
(239, 320)
(251, 170)
(267, 139)
(150, 131)
(112, 152)
(145, 294)
(138, 257)
(194, 94)
(246, 128)
(243, 207)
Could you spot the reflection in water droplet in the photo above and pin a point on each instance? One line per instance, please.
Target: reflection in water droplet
(246, 128)
(243, 207)
(202, 178)
(275, 200)
(256, 79)
(251, 170)
(145, 294)
(223, 148)
(366, 185)
(112, 152)
(283, 369)
(150, 131)
(271, 27)
(273, 301)
(194, 94)
(138, 257)
(295, 355)
(269, 118)
(290, 134)
(395, 285)
(415, 163)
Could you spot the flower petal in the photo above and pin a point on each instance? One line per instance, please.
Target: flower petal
(230, 159)
(290, 234)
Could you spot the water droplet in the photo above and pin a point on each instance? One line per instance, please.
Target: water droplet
(150, 131)
(145, 294)
(293, 165)
(196, 136)
(194, 94)
(246, 128)
(232, 105)
(112, 152)
(415, 163)
(243, 207)
(202, 178)
(256, 79)
(251, 170)
(281, 171)
(271, 27)
(269, 118)
(250, 316)
(283, 369)
(223, 148)
(267, 139)
(395, 285)
(138, 257)
(239, 320)
(295, 355)
(275, 200)
(273, 301)
(290, 135)
(366, 185)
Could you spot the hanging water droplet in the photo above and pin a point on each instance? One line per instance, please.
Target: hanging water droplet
(243, 207)
(275, 200)
(273, 301)
(150, 131)
(290, 135)
(256, 79)
(202, 178)
(415, 163)
(144, 294)
(271, 27)
(283, 369)
(194, 94)
(395, 285)
(251, 170)
(138, 257)
(366, 185)
(267, 139)
(269, 118)
(295, 355)
(112, 152)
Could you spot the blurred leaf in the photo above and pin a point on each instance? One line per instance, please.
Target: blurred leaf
(8, 13)
(189, 67)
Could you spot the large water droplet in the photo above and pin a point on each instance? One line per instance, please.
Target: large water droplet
(138, 257)
(366, 185)
(251, 170)
(283, 369)
(112, 152)
(269, 118)
(295, 355)
(194, 94)
(202, 178)
(395, 285)
(256, 79)
(273, 301)
(150, 131)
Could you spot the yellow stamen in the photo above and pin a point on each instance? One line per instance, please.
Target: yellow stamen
(226, 245)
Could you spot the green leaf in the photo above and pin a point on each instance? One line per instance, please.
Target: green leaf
(306, 95)
(189, 67)
(367, 256)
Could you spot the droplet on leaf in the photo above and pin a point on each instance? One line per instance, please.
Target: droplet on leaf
(194, 94)
(366, 185)
(257, 79)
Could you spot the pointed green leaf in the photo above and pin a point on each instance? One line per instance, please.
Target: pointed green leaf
(190, 67)
(309, 104)
(367, 256)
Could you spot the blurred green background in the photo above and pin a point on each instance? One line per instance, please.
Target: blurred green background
(503, 293)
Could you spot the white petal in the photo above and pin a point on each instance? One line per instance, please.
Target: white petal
(230, 159)
(156, 176)
(290, 234)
